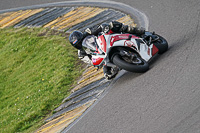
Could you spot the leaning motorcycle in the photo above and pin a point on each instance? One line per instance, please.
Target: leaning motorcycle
(125, 51)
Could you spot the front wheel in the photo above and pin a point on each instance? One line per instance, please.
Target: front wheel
(136, 64)
(161, 44)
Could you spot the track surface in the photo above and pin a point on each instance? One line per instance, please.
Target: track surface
(166, 99)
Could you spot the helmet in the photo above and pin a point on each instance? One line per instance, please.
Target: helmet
(75, 39)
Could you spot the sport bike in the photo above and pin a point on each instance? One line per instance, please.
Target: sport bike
(125, 51)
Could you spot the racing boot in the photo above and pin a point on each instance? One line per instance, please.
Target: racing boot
(110, 72)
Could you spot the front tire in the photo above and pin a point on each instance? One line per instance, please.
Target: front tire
(161, 44)
(143, 66)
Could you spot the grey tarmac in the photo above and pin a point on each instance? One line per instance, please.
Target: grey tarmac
(166, 99)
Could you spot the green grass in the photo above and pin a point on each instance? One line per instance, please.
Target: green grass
(38, 67)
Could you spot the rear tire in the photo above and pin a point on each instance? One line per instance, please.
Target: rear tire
(139, 68)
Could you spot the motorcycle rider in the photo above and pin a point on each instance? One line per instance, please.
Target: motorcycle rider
(76, 38)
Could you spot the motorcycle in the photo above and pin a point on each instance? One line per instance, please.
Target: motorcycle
(124, 51)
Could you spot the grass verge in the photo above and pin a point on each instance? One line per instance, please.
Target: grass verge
(38, 67)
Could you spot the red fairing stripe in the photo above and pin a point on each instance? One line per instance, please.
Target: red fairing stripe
(102, 42)
(97, 61)
(154, 50)
(148, 52)
(120, 37)
(110, 32)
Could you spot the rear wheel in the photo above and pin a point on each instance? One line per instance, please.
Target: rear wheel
(131, 63)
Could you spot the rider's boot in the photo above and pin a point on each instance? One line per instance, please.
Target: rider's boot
(110, 72)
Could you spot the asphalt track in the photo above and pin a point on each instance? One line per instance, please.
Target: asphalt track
(166, 99)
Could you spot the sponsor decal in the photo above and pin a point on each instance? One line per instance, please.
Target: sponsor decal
(129, 43)
(75, 41)
(120, 37)
(123, 37)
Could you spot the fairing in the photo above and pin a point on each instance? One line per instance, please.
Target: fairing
(104, 42)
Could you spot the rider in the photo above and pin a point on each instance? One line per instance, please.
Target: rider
(76, 38)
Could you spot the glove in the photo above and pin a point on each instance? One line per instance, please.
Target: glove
(95, 30)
